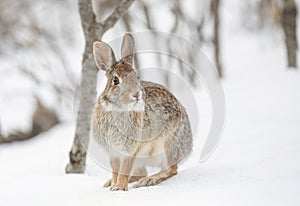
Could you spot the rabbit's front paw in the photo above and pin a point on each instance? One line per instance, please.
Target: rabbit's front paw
(118, 187)
(107, 183)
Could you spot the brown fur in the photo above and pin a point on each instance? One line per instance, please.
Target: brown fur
(157, 178)
(138, 123)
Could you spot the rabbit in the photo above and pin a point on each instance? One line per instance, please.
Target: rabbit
(138, 123)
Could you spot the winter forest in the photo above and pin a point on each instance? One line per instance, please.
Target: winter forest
(233, 66)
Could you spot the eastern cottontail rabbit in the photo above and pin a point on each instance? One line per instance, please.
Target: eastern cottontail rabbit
(138, 123)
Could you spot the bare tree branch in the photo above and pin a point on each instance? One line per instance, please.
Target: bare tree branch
(88, 22)
(110, 21)
(215, 5)
(145, 9)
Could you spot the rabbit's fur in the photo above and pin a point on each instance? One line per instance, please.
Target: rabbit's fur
(137, 123)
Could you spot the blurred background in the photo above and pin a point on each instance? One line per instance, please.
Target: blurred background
(42, 43)
(252, 44)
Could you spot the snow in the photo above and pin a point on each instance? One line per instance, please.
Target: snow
(256, 163)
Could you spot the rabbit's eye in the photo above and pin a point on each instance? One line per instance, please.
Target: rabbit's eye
(116, 80)
(138, 77)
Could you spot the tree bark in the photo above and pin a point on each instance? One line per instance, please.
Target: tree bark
(289, 25)
(93, 31)
(215, 7)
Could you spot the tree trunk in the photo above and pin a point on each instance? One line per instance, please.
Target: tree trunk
(215, 7)
(93, 31)
(289, 25)
(87, 95)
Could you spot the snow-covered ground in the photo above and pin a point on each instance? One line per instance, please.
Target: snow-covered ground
(256, 163)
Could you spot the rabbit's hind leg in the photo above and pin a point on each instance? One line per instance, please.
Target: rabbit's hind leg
(157, 178)
(138, 174)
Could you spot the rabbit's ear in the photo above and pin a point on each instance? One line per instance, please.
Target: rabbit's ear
(127, 48)
(104, 55)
